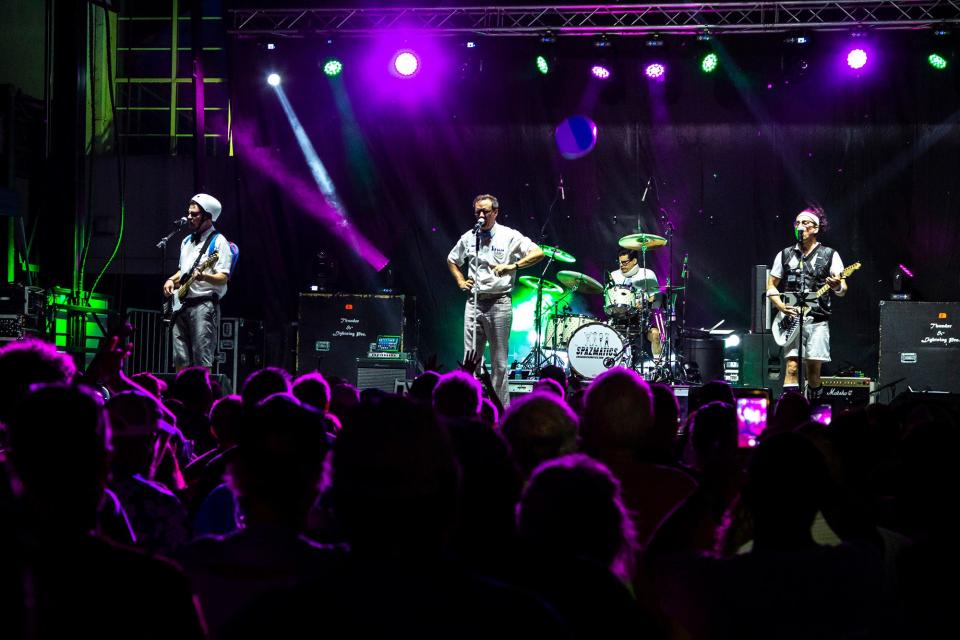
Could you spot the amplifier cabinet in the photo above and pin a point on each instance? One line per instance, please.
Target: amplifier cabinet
(335, 329)
(843, 393)
(920, 342)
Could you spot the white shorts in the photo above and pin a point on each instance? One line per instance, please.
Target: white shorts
(816, 342)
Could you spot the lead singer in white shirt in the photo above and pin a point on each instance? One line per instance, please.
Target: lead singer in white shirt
(502, 251)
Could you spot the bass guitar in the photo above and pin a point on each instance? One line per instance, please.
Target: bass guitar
(173, 304)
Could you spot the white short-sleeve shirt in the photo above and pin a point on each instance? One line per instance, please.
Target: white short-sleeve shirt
(189, 250)
(504, 246)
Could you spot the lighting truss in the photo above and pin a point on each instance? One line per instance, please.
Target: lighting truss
(591, 20)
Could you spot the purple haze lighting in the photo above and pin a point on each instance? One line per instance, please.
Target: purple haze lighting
(600, 72)
(857, 58)
(905, 270)
(655, 71)
(406, 63)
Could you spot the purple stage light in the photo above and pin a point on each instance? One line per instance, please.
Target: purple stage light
(655, 71)
(406, 63)
(857, 58)
(905, 270)
(600, 72)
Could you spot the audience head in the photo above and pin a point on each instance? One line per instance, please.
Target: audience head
(343, 398)
(713, 391)
(791, 411)
(423, 385)
(263, 383)
(394, 478)
(27, 362)
(715, 433)
(278, 466)
(139, 427)
(660, 443)
(549, 385)
(539, 427)
(226, 420)
(312, 389)
(617, 412)
(150, 383)
(457, 395)
(555, 373)
(488, 413)
(787, 480)
(193, 388)
(572, 508)
(59, 442)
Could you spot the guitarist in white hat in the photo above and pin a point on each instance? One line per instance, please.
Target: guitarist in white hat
(821, 266)
(198, 285)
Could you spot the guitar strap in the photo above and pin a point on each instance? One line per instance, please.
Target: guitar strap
(200, 256)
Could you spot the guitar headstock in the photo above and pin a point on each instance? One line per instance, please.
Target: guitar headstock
(850, 269)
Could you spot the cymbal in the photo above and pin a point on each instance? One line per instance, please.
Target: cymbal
(557, 254)
(533, 282)
(579, 282)
(642, 241)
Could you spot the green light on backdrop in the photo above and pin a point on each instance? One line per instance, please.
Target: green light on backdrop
(523, 336)
(542, 65)
(937, 61)
(709, 63)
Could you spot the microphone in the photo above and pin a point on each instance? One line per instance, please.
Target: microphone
(643, 198)
(563, 195)
(479, 225)
(179, 223)
(798, 233)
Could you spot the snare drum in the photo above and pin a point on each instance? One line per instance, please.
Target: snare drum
(619, 300)
(594, 348)
(561, 327)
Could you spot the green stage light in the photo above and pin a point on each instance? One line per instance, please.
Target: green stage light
(542, 65)
(709, 63)
(333, 67)
(937, 61)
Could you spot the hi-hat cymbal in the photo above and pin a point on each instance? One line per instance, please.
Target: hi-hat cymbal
(579, 282)
(642, 241)
(557, 254)
(533, 282)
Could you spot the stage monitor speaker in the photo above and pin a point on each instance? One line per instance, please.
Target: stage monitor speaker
(240, 349)
(920, 344)
(520, 388)
(337, 328)
(762, 363)
(760, 307)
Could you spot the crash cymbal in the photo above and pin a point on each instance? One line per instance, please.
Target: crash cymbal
(533, 282)
(557, 254)
(579, 282)
(642, 241)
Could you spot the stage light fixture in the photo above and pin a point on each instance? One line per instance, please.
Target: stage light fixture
(332, 67)
(543, 66)
(406, 63)
(709, 63)
(655, 71)
(600, 72)
(602, 42)
(273, 79)
(857, 58)
(937, 61)
(271, 46)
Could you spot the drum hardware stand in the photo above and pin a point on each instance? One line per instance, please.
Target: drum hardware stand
(536, 357)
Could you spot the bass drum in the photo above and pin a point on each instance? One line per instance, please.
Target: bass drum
(562, 327)
(594, 348)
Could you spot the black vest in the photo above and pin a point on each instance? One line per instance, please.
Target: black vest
(816, 270)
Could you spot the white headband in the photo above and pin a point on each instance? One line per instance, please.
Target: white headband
(812, 218)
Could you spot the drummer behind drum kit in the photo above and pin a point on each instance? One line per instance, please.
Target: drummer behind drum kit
(592, 346)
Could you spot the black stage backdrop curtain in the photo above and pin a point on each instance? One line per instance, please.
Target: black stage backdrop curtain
(731, 158)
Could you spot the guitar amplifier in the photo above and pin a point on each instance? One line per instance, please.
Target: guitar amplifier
(520, 388)
(920, 345)
(387, 374)
(846, 393)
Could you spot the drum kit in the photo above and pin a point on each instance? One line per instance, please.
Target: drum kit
(587, 345)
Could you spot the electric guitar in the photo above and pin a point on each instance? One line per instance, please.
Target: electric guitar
(173, 304)
(785, 328)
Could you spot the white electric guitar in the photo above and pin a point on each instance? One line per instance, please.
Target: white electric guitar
(173, 304)
(786, 328)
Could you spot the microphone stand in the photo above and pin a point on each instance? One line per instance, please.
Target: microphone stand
(476, 285)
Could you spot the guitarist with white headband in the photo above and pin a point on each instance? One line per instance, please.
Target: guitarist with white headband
(198, 285)
(821, 266)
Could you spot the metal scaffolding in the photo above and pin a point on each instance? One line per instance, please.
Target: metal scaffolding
(591, 20)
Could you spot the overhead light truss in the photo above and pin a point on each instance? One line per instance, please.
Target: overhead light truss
(591, 20)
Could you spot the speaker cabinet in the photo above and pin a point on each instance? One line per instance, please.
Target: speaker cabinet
(920, 344)
(335, 329)
(762, 364)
